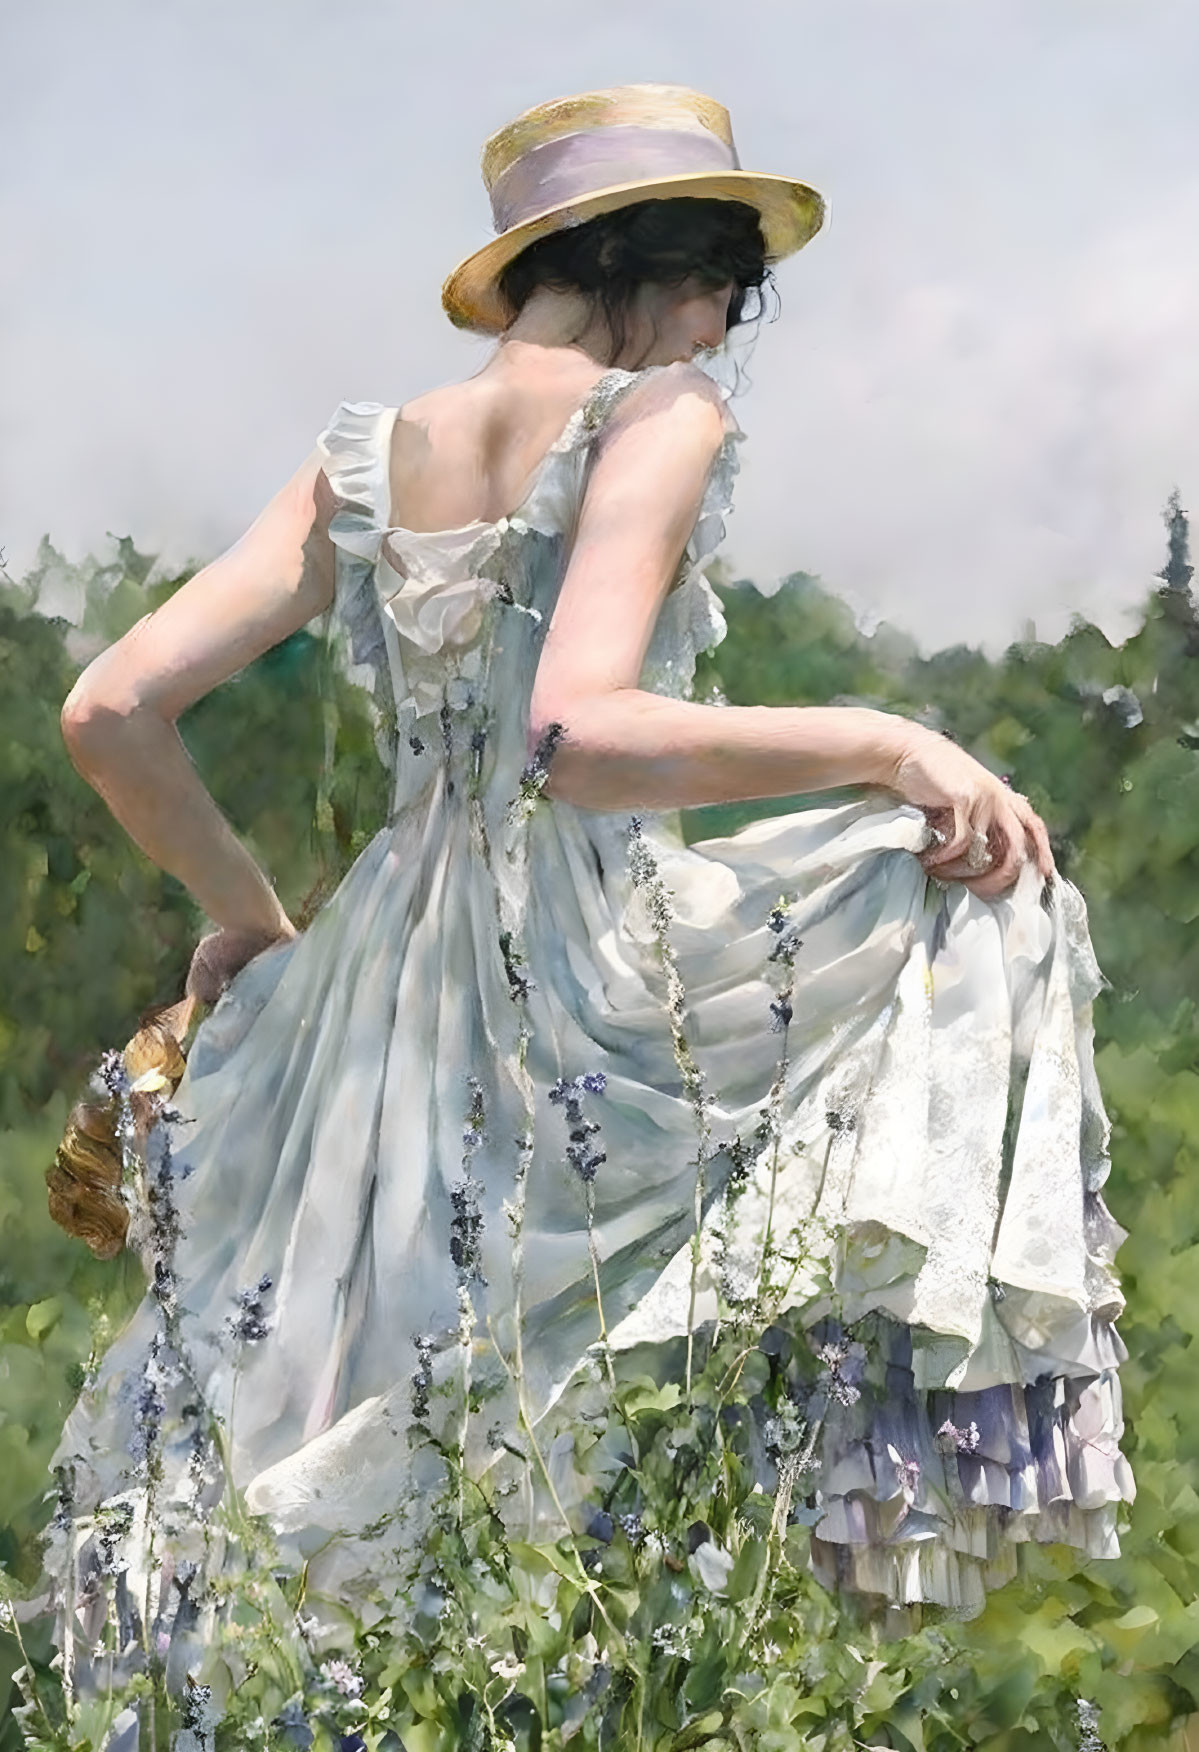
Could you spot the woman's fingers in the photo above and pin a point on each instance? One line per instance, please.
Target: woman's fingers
(954, 824)
(1010, 844)
(984, 846)
(1024, 838)
(1037, 832)
(205, 976)
(986, 832)
(1010, 857)
(220, 956)
(1019, 847)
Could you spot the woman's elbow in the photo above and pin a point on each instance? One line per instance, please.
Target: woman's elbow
(544, 765)
(92, 722)
(82, 723)
(576, 750)
(574, 746)
(104, 701)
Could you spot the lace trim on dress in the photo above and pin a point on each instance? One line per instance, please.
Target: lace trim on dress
(692, 619)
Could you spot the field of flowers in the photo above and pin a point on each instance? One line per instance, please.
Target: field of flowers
(688, 1617)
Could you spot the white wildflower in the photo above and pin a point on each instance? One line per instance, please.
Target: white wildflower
(671, 1639)
(713, 1565)
(340, 1673)
(909, 1473)
(508, 1667)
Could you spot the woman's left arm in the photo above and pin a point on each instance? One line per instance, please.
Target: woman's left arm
(118, 721)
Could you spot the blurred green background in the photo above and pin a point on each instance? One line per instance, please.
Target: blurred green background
(1103, 739)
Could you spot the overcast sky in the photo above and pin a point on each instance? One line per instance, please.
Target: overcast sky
(219, 219)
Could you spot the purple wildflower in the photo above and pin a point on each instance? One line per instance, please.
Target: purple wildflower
(789, 940)
(951, 1440)
(250, 1323)
(197, 1712)
(112, 1072)
(632, 1527)
(843, 1363)
(64, 1497)
(1087, 1717)
(908, 1471)
(519, 983)
(466, 1226)
(784, 1433)
(422, 1375)
(537, 769)
(566, 1093)
(740, 1156)
(113, 1525)
(466, 1229)
(149, 1405)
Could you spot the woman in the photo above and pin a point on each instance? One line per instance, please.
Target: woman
(464, 1126)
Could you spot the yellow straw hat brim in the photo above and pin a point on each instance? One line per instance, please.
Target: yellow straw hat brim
(790, 214)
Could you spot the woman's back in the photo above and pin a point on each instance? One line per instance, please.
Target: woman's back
(465, 452)
(458, 520)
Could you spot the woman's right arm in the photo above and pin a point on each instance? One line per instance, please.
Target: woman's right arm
(627, 748)
(118, 721)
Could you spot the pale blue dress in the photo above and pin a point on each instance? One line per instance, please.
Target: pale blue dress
(367, 1107)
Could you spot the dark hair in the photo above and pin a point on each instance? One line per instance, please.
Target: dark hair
(661, 241)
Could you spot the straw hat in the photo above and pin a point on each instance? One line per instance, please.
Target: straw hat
(566, 161)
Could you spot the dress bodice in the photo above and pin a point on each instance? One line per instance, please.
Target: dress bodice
(449, 622)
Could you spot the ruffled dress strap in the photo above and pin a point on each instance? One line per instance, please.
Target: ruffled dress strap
(706, 623)
(553, 499)
(354, 447)
(691, 619)
(602, 415)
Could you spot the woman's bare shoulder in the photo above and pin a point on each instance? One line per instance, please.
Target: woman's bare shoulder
(488, 393)
(670, 415)
(675, 397)
(468, 449)
(430, 404)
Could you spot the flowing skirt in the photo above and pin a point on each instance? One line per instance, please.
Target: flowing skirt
(478, 1111)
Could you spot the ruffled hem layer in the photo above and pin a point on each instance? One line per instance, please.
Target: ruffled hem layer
(924, 1497)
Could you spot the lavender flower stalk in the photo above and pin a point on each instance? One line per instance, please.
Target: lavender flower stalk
(644, 873)
(584, 1160)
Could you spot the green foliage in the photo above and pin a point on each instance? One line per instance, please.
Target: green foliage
(92, 934)
(1105, 741)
